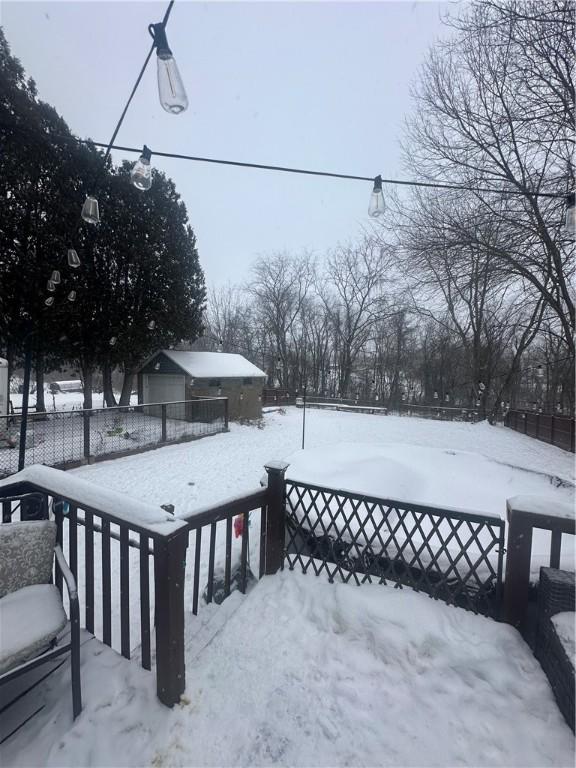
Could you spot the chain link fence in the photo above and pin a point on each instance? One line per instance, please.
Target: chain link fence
(70, 438)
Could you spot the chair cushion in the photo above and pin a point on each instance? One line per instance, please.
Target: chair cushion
(29, 620)
(26, 554)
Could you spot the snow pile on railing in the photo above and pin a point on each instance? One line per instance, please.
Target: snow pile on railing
(85, 495)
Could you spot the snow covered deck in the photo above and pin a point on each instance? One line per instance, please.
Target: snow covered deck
(302, 672)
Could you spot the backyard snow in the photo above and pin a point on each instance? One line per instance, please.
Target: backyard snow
(305, 673)
(474, 467)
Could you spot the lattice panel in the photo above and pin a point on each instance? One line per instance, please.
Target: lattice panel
(452, 556)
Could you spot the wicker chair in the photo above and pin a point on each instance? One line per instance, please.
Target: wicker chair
(31, 611)
(556, 594)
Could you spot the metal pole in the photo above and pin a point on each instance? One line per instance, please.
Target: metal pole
(24, 423)
(304, 418)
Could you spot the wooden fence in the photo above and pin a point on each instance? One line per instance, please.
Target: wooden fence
(550, 428)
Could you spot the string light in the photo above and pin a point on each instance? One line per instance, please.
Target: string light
(90, 212)
(377, 206)
(171, 89)
(73, 259)
(570, 216)
(141, 174)
(151, 325)
(49, 301)
(55, 278)
(72, 296)
(50, 285)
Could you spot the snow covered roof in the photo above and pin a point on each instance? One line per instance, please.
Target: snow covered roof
(214, 365)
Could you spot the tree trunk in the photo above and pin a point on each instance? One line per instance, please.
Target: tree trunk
(126, 387)
(109, 397)
(87, 372)
(40, 404)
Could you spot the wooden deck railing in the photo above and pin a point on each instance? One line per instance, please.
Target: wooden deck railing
(99, 529)
(525, 513)
(108, 518)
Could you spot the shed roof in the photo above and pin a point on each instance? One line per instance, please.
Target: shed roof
(214, 365)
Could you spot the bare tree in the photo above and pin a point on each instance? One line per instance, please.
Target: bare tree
(495, 109)
(354, 299)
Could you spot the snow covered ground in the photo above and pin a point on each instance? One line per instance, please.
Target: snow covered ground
(305, 673)
(473, 467)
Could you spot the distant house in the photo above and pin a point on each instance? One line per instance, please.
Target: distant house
(172, 376)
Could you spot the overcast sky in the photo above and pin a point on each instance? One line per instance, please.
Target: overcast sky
(317, 85)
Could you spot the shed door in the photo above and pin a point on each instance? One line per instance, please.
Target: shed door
(165, 389)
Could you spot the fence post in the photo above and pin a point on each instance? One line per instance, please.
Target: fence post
(517, 579)
(226, 414)
(163, 436)
(86, 420)
(275, 517)
(169, 578)
(552, 429)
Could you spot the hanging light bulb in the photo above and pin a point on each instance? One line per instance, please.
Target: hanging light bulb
(170, 86)
(49, 301)
(55, 277)
(113, 341)
(90, 212)
(435, 395)
(481, 386)
(570, 216)
(377, 205)
(72, 296)
(51, 286)
(151, 325)
(447, 397)
(141, 174)
(477, 403)
(540, 372)
(73, 259)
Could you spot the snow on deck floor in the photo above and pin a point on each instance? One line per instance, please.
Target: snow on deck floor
(306, 673)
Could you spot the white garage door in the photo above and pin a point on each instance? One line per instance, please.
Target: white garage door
(165, 389)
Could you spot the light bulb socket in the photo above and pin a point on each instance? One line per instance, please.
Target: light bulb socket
(377, 184)
(158, 34)
(146, 154)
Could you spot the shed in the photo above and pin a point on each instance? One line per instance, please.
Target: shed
(171, 376)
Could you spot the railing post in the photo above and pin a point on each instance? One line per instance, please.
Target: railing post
(169, 578)
(163, 436)
(517, 579)
(275, 517)
(86, 420)
(226, 414)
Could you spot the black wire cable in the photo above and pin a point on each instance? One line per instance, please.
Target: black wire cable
(110, 144)
(325, 174)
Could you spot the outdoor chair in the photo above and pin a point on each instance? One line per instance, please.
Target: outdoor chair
(31, 609)
(554, 646)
